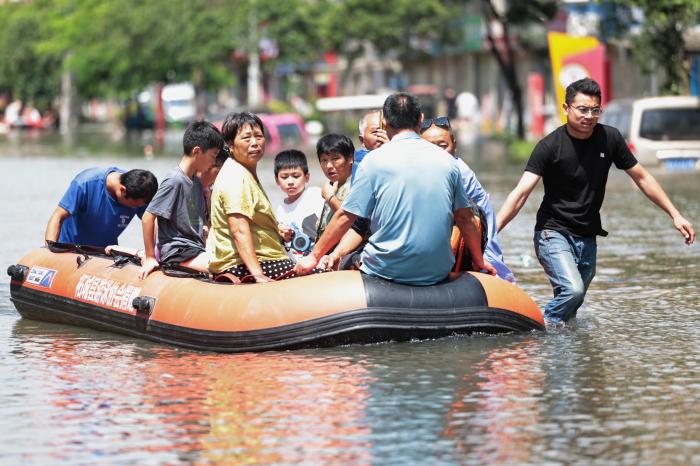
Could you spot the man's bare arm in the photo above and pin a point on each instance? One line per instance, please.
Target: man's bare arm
(53, 227)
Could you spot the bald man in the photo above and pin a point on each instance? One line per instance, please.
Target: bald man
(372, 136)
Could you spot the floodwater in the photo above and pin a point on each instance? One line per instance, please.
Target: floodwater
(620, 387)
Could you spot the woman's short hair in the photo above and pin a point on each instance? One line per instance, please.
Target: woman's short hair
(234, 122)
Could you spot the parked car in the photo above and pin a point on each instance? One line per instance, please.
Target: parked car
(659, 130)
(179, 102)
(284, 130)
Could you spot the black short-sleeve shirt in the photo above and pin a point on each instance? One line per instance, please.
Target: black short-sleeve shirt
(574, 173)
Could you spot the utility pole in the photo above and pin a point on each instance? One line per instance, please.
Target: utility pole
(253, 60)
(67, 119)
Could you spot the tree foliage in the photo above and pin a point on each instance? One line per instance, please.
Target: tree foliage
(25, 72)
(118, 47)
(661, 43)
(396, 26)
(115, 48)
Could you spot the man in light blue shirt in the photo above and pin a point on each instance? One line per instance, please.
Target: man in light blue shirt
(411, 192)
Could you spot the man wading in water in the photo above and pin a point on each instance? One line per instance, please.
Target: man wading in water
(573, 161)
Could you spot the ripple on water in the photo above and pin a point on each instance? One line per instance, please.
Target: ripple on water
(620, 386)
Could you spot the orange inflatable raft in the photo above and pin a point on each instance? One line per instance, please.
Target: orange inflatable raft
(330, 309)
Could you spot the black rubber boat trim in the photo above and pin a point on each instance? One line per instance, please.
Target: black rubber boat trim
(357, 326)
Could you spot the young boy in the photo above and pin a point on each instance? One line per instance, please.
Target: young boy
(179, 206)
(206, 179)
(299, 212)
(336, 156)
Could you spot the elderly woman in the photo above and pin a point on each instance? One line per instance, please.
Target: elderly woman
(244, 239)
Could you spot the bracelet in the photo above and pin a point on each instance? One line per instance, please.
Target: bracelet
(330, 197)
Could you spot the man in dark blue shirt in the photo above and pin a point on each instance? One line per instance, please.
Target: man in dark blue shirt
(99, 204)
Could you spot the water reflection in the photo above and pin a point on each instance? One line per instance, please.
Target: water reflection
(620, 387)
(125, 399)
(496, 405)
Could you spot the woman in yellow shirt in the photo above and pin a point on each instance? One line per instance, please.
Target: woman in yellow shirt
(244, 239)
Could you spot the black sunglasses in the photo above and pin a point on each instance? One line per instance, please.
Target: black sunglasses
(442, 122)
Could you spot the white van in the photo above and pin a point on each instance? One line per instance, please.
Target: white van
(179, 103)
(659, 130)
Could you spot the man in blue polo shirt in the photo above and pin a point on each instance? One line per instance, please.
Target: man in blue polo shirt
(99, 204)
(411, 192)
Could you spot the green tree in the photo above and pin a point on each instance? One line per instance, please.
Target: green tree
(292, 26)
(661, 43)
(25, 72)
(404, 29)
(117, 48)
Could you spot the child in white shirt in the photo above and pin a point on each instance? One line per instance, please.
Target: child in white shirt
(299, 212)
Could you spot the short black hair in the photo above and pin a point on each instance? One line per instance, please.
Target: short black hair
(402, 111)
(335, 143)
(221, 157)
(202, 134)
(234, 122)
(291, 159)
(139, 184)
(585, 86)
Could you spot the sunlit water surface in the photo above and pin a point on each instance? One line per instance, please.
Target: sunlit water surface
(620, 386)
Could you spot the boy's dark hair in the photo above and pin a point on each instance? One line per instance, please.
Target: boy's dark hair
(335, 143)
(583, 86)
(202, 134)
(402, 111)
(235, 121)
(221, 157)
(291, 159)
(139, 184)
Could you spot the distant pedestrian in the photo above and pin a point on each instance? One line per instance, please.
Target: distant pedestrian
(573, 161)
(450, 97)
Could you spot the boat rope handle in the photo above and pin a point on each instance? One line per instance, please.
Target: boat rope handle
(180, 271)
(82, 259)
(56, 247)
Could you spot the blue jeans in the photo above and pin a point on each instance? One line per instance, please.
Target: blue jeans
(569, 262)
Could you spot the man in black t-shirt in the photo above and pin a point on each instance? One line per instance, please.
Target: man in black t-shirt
(573, 162)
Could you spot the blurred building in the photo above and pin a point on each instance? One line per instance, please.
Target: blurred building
(469, 67)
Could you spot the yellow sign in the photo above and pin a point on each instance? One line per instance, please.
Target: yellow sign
(562, 46)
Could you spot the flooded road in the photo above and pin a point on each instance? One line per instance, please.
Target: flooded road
(621, 386)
